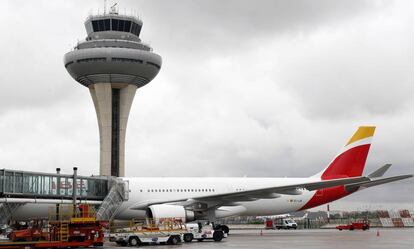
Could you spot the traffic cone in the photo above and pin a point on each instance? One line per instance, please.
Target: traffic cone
(378, 234)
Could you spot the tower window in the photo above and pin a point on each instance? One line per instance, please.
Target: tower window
(67, 64)
(127, 26)
(121, 24)
(126, 60)
(115, 24)
(136, 29)
(95, 26)
(107, 24)
(153, 64)
(101, 24)
(91, 59)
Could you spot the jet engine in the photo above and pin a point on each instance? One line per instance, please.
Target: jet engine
(169, 211)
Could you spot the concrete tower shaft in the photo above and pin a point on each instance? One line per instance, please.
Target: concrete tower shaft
(113, 63)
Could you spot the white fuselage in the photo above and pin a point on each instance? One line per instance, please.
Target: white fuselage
(162, 189)
(149, 189)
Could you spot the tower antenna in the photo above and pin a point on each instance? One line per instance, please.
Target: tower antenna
(113, 9)
(104, 7)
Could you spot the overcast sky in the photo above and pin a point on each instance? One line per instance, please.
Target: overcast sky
(247, 88)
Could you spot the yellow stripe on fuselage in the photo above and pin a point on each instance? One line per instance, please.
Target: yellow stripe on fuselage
(361, 133)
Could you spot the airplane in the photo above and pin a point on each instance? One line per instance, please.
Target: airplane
(212, 198)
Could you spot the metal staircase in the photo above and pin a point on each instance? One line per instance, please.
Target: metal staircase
(7, 210)
(118, 193)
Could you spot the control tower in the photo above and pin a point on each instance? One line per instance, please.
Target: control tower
(113, 63)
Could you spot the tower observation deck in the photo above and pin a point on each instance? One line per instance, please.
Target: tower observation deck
(113, 63)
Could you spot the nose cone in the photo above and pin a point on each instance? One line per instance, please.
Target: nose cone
(112, 65)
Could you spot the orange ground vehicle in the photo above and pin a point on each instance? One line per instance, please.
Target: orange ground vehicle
(33, 232)
(357, 225)
(68, 226)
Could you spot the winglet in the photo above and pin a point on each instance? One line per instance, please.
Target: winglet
(379, 172)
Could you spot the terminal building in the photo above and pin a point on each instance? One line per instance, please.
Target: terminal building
(112, 63)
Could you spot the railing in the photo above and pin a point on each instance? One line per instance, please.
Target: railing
(118, 193)
(124, 14)
(109, 43)
(69, 212)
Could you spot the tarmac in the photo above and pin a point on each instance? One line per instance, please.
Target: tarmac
(312, 239)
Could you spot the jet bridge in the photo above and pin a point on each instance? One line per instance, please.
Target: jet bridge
(20, 187)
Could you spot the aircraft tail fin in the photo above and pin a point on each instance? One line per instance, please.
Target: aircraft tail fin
(350, 161)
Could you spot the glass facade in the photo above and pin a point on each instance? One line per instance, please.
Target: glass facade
(30, 184)
(116, 25)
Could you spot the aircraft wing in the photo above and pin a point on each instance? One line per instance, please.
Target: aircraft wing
(375, 182)
(230, 198)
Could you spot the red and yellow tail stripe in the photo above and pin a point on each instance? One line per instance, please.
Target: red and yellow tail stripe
(349, 162)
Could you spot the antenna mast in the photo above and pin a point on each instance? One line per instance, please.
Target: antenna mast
(113, 9)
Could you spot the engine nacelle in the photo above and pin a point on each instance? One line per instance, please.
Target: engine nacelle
(156, 212)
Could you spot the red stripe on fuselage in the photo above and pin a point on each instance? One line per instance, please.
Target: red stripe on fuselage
(348, 164)
(326, 195)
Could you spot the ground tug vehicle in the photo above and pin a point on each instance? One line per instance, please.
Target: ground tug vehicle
(67, 226)
(202, 232)
(357, 225)
(163, 231)
(149, 231)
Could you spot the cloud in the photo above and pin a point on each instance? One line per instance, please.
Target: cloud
(198, 29)
(356, 70)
